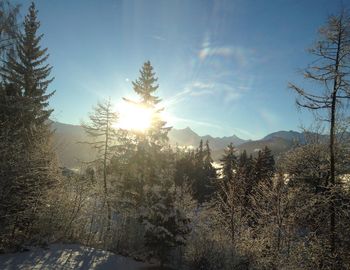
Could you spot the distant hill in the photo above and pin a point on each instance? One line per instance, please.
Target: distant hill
(276, 144)
(287, 135)
(67, 142)
(70, 150)
(187, 137)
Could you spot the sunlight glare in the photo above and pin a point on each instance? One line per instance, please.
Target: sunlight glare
(133, 117)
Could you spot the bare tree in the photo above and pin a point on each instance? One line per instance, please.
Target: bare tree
(331, 70)
(8, 26)
(101, 129)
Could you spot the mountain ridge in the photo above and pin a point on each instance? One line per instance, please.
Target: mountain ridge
(70, 150)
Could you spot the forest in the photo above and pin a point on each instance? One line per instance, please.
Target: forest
(142, 198)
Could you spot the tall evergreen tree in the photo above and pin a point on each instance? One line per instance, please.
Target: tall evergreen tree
(166, 225)
(28, 169)
(27, 70)
(204, 173)
(229, 163)
(148, 148)
(228, 195)
(264, 166)
(145, 87)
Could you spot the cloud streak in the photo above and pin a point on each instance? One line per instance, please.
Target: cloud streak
(193, 122)
(243, 56)
(228, 92)
(160, 38)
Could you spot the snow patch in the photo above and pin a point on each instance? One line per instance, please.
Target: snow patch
(61, 256)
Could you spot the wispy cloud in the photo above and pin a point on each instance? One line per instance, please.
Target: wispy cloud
(243, 56)
(202, 85)
(270, 118)
(193, 89)
(245, 134)
(228, 92)
(215, 51)
(188, 121)
(158, 37)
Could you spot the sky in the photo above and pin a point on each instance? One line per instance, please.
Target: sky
(223, 66)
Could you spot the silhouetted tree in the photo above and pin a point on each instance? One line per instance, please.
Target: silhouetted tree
(204, 173)
(28, 72)
(145, 87)
(331, 71)
(28, 169)
(264, 166)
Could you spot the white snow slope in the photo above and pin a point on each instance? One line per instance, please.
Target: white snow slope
(66, 257)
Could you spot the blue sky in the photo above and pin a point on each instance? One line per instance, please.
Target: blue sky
(223, 66)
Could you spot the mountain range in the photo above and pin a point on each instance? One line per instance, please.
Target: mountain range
(71, 151)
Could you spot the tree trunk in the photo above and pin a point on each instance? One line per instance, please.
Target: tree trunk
(332, 144)
(105, 175)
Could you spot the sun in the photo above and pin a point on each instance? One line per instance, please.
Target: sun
(134, 117)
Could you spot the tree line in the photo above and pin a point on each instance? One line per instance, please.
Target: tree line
(141, 197)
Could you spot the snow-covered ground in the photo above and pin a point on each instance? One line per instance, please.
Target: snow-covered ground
(61, 256)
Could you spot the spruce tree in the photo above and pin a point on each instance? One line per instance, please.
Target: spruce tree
(204, 174)
(264, 166)
(166, 224)
(145, 87)
(227, 196)
(147, 148)
(28, 70)
(229, 163)
(209, 172)
(28, 166)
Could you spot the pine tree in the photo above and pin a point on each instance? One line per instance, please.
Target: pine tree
(184, 168)
(28, 168)
(147, 148)
(145, 87)
(245, 172)
(227, 194)
(229, 164)
(204, 173)
(165, 223)
(209, 172)
(28, 72)
(264, 166)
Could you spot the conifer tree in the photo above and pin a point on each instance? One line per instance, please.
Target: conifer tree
(28, 167)
(27, 70)
(209, 171)
(165, 223)
(204, 174)
(245, 172)
(264, 166)
(184, 168)
(145, 87)
(227, 193)
(229, 163)
(148, 148)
